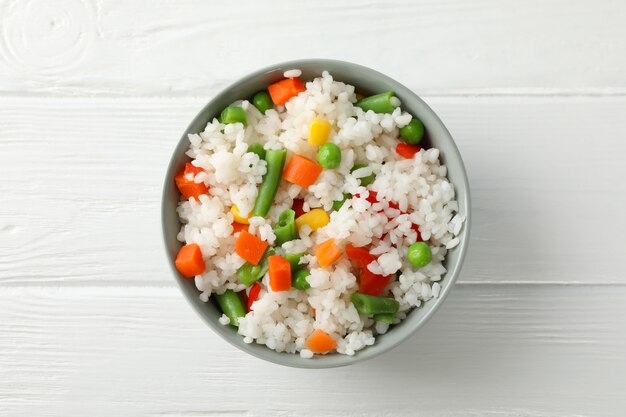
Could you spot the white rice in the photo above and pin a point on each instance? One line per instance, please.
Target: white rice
(283, 320)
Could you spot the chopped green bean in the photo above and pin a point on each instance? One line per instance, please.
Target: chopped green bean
(385, 317)
(248, 274)
(370, 304)
(294, 260)
(365, 181)
(267, 191)
(262, 101)
(285, 229)
(234, 115)
(337, 204)
(413, 132)
(231, 305)
(380, 103)
(299, 279)
(257, 148)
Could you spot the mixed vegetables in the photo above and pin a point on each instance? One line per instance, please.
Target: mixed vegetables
(286, 271)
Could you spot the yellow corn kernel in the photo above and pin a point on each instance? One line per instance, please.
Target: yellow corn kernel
(234, 210)
(315, 219)
(319, 130)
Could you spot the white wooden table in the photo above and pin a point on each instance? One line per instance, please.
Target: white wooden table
(93, 97)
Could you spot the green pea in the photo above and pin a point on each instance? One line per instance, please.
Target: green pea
(299, 279)
(365, 181)
(337, 204)
(413, 132)
(258, 149)
(262, 101)
(329, 156)
(234, 115)
(419, 254)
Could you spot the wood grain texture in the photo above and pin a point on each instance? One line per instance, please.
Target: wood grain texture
(491, 351)
(192, 47)
(82, 178)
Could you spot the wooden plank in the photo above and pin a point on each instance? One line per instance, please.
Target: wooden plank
(79, 200)
(491, 350)
(194, 47)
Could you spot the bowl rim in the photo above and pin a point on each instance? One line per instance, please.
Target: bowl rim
(334, 360)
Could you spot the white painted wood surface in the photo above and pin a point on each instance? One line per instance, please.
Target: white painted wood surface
(93, 97)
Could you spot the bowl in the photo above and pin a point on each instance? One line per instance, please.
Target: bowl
(367, 81)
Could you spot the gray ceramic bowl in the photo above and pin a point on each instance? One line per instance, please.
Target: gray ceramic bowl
(367, 81)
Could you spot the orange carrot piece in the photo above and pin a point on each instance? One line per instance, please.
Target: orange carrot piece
(238, 227)
(283, 90)
(327, 253)
(280, 273)
(189, 261)
(301, 171)
(250, 247)
(320, 342)
(189, 188)
(192, 169)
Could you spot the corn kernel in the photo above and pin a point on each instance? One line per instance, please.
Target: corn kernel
(319, 130)
(315, 219)
(234, 210)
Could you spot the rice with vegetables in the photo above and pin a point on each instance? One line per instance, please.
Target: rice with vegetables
(314, 217)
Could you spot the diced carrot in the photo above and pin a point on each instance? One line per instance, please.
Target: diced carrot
(283, 90)
(313, 311)
(407, 151)
(238, 227)
(301, 171)
(327, 253)
(192, 169)
(250, 247)
(320, 342)
(189, 261)
(280, 273)
(189, 188)
(254, 295)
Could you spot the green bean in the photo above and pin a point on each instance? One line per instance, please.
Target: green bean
(285, 229)
(369, 304)
(231, 305)
(267, 191)
(262, 101)
(294, 260)
(385, 317)
(364, 181)
(234, 115)
(299, 279)
(337, 204)
(257, 148)
(380, 103)
(413, 132)
(248, 274)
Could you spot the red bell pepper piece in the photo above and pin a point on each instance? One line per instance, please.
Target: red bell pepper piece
(369, 283)
(297, 207)
(254, 295)
(407, 151)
